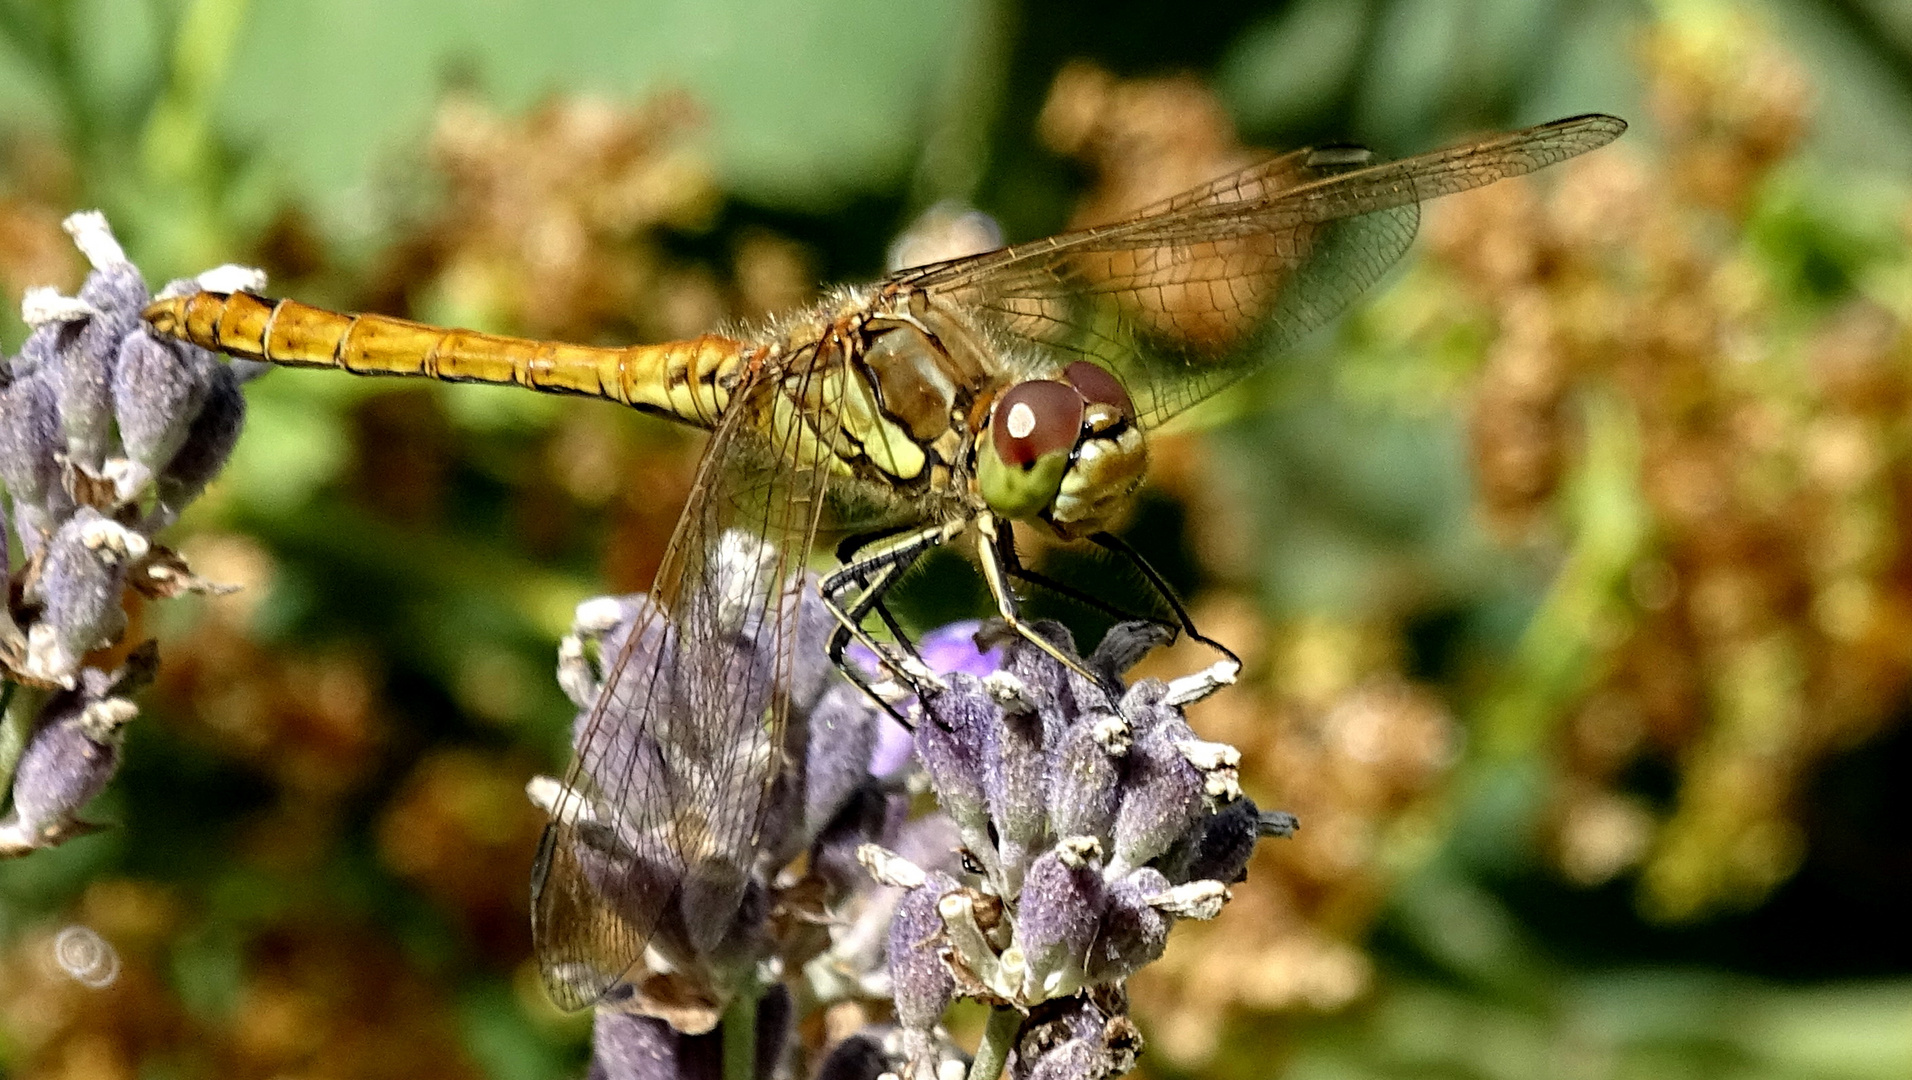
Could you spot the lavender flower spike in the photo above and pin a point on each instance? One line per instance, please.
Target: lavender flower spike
(106, 433)
(1085, 809)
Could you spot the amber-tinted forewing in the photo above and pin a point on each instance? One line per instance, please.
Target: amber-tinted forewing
(662, 815)
(1193, 292)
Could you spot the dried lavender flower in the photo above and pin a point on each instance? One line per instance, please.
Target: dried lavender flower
(105, 434)
(625, 1046)
(1082, 1038)
(72, 755)
(1097, 805)
(78, 588)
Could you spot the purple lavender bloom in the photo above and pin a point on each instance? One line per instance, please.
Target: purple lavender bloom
(30, 447)
(105, 434)
(625, 1046)
(72, 755)
(1073, 812)
(1075, 815)
(1098, 808)
(957, 647)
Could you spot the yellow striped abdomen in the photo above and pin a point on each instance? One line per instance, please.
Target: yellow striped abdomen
(686, 380)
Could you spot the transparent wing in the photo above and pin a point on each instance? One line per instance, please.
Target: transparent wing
(669, 805)
(1197, 290)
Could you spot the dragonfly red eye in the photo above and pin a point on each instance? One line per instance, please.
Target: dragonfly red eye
(1035, 418)
(1098, 385)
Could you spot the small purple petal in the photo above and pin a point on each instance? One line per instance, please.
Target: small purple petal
(158, 388)
(923, 985)
(1086, 793)
(1164, 795)
(893, 750)
(1056, 921)
(69, 760)
(208, 443)
(1133, 932)
(953, 648)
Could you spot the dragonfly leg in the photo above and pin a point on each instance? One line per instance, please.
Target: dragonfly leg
(848, 558)
(875, 574)
(1013, 567)
(1116, 545)
(996, 553)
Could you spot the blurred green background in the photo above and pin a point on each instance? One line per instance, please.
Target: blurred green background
(1573, 569)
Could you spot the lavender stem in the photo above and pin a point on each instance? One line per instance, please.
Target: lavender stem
(992, 1053)
(18, 708)
(740, 1035)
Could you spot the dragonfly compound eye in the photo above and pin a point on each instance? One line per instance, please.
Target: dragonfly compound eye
(1032, 431)
(1035, 419)
(1099, 387)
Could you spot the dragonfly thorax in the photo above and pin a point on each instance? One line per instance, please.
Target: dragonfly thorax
(1068, 451)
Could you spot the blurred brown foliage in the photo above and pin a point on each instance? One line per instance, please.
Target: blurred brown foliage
(1756, 621)
(38, 193)
(313, 997)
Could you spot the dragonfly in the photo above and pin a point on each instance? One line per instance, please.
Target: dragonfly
(1015, 386)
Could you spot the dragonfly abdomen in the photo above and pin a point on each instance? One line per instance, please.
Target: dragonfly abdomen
(687, 380)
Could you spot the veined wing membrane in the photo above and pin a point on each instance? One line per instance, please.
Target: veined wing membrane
(1195, 291)
(681, 760)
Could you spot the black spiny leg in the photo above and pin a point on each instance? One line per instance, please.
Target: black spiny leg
(1013, 567)
(1116, 545)
(875, 574)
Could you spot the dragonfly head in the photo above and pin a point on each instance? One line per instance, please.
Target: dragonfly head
(1065, 451)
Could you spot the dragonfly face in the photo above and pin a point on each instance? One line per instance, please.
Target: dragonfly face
(1066, 451)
